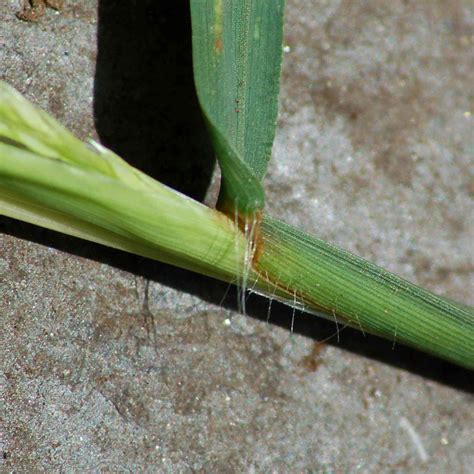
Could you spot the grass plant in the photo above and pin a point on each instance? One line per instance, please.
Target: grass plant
(51, 179)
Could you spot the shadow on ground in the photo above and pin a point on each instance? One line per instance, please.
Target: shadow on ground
(146, 110)
(145, 106)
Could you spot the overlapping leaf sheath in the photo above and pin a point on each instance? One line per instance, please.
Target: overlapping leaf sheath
(50, 178)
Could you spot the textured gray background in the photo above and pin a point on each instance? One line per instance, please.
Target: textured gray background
(373, 152)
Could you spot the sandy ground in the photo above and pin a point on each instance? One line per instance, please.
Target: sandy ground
(111, 363)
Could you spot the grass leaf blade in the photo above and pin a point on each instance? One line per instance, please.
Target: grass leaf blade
(237, 51)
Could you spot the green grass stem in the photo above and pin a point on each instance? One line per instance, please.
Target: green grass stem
(91, 193)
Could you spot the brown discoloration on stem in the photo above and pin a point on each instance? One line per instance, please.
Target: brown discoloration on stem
(249, 225)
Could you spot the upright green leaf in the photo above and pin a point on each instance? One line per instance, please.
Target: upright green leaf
(237, 50)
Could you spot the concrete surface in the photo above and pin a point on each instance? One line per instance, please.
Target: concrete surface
(111, 363)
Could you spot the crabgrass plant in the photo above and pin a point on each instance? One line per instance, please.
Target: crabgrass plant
(51, 179)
